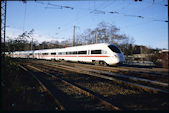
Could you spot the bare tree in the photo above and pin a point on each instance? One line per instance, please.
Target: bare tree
(103, 33)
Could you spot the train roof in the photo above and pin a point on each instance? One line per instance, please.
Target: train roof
(89, 45)
(74, 47)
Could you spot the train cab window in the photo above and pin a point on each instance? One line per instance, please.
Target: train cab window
(96, 51)
(114, 49)
(82, 52)
(53, 53)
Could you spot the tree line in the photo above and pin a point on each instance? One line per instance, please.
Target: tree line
(102, 33)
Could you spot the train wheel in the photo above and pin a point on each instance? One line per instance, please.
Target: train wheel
(102, 63)
(97, 63)
(52, 59)
(105, 64)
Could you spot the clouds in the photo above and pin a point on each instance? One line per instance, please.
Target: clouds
(13, 33)
(41, 38)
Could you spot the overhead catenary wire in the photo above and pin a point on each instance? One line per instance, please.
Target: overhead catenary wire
(138, 16)
(97, 11)
(113, 12)
(154, 2)
(94, 11)
(61, 6)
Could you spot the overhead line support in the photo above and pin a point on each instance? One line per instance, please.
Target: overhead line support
(3, 24)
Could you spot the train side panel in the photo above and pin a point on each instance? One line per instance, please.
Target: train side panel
(107, 53)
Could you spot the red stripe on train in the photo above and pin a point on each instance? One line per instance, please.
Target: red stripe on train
(93, 56)
(62, 56)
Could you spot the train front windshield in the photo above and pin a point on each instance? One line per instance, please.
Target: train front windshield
(114, 49)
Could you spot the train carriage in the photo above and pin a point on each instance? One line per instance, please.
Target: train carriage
(102, 53)
(47, 54)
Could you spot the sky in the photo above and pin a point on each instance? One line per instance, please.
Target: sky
(54, 20)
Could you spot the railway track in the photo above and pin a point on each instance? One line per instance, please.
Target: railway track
(126, 98)
(134, 71)
(154, 73)
(59, 106)
(140, 83)
(81, 99)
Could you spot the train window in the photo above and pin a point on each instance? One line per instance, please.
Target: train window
(75, 52)
(62, 53)
(44, 53)
(114, 49)
(53, 53)
(96, 51)
(68, 53)
(82, 52)
(30, 53)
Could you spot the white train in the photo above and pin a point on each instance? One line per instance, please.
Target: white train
(102, 53)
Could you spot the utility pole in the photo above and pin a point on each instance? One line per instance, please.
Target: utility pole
(73, 41)
(96, 37)
(31, 44)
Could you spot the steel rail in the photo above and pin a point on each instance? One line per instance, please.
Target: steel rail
(84, 71)
(122, 68)
(60, 106)
(126, 76)
(107, 105)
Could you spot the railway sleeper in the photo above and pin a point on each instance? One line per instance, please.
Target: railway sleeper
(100, 101)
(146, 88)
(60, 106)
